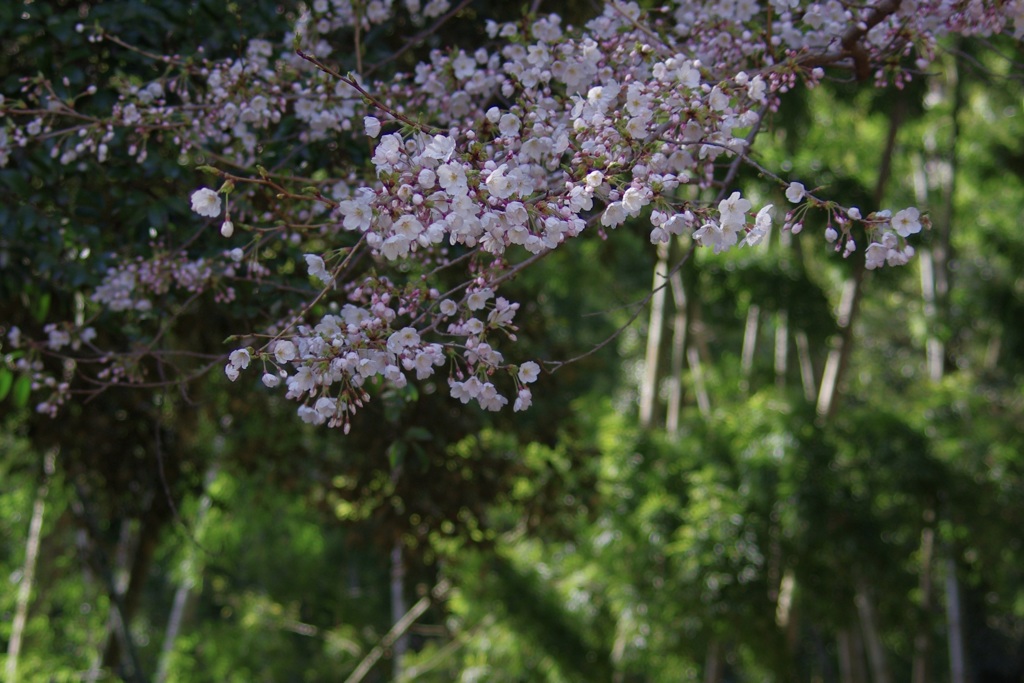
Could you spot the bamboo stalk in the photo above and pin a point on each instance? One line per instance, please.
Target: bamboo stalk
(803, 354)
(397, 631)
(921, 665)
(679, 325)
(28, 571)
(827, 404)
(132, 669)
(398, 608)
(649, 385)
(183, 595)
(954, 619)
(781, 347)
(701, 389)
(713, 663)
(749, 341)
(872, 638)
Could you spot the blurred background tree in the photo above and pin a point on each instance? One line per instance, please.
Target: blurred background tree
(790, 470)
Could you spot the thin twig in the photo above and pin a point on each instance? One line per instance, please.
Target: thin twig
(354, 84)
(640, 306)
(419, 37)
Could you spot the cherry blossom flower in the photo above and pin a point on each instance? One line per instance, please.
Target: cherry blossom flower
(907, 222)
(796, 192)
(441, 148)
(499, 184)
(284, 351)
(633, 200)
(358, 212)
(733, 209)
(206, 202)
(524, 399)
(875, 255)
(528, 372)
(614, 214)
(452, 177)
(240, 358)
(402, 339)
(762, 224)
(318, 269)
(532, 138)
(478, 299)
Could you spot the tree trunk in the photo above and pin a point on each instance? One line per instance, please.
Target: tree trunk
(184, 596)
(703, 400)
(781, 347)
(872, 639)
(121, 569)
(784, 612)
(649, 386)
(851, 663)
(955, 627)
(935, 289)
(851, 657)
(28, 572)
(749, 344)
(713, 663)
(803, 354)
(679, 324)
(921, 667)
(97, 558)
(839, 354)
(398, 608)
(397, 631)
(145, 548)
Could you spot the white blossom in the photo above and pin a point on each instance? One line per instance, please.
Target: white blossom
(206, 202)
(907, 222)
(524, 399)
(528, 372)
(441, 148)
(284, 351)
(795, 192)
(318, 269)
(614, 214)
(733, 210)
(478, 299)
(239, 358)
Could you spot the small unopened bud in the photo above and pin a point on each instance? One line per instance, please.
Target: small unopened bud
(227, 229)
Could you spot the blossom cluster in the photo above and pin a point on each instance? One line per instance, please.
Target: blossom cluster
(327, 365)
(57, 390)
(132, 286)
(484, 159)
(887, 233)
